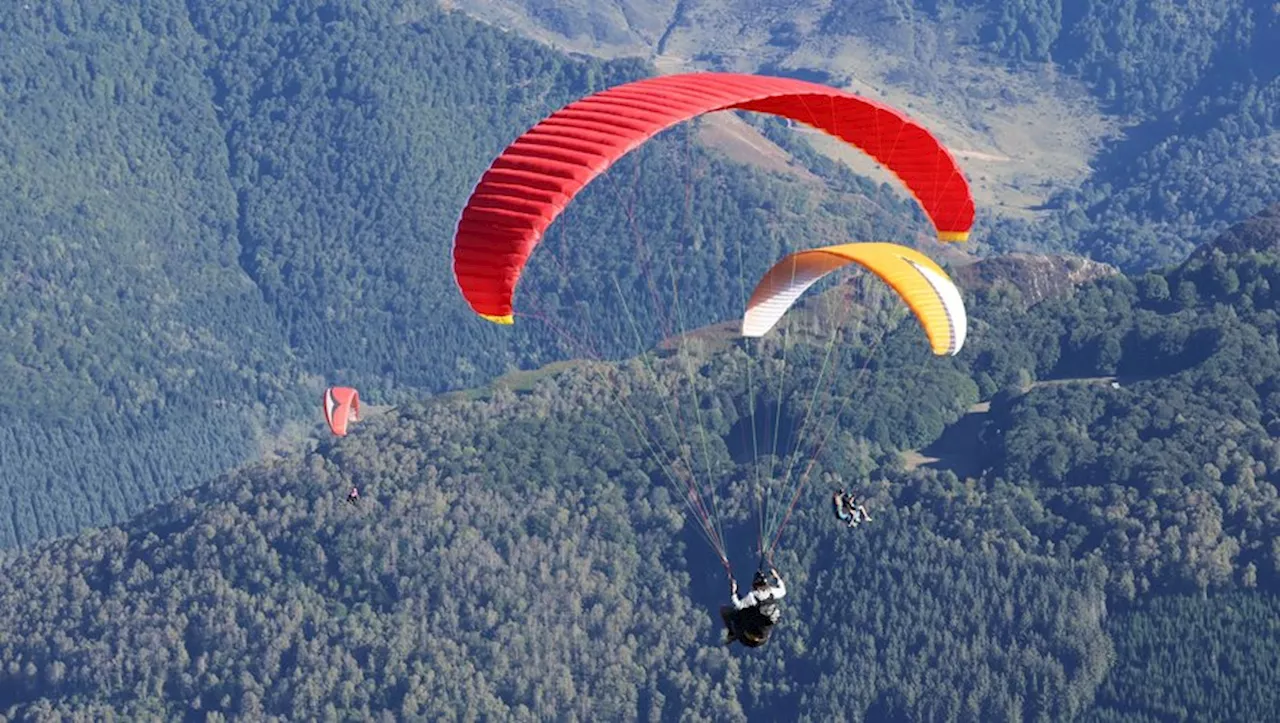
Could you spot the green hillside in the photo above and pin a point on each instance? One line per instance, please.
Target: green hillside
(217, 210)
(520, 554)
(137, 358)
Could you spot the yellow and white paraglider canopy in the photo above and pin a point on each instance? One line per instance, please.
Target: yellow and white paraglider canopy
(928, 291)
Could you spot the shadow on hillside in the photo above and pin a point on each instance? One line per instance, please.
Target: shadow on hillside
(960, 449)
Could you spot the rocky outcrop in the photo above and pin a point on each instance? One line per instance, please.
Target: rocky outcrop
(1037, 277)
(1258, 233)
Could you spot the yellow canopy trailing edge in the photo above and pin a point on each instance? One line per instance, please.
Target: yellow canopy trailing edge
(928, 291)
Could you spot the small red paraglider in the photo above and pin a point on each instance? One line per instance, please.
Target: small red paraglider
(341, 408)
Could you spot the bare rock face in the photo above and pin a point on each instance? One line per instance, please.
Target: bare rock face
(1037, 277)
(1258, 233)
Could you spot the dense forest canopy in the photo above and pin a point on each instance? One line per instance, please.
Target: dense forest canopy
(213, 212)
(519, 554)
(217, 209)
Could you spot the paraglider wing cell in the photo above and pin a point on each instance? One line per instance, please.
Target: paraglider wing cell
(532, 181)
(922, 284)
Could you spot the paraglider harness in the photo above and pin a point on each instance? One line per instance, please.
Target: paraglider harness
(752, 626)
(848, 509)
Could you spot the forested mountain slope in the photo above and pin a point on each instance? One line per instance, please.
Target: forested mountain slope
(137, 357)
(518, 554)
(214, 210)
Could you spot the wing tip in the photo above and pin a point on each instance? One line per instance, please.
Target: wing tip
(752, 328)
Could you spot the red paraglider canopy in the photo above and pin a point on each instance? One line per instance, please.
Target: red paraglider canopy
(533, 180)
(341, 407)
